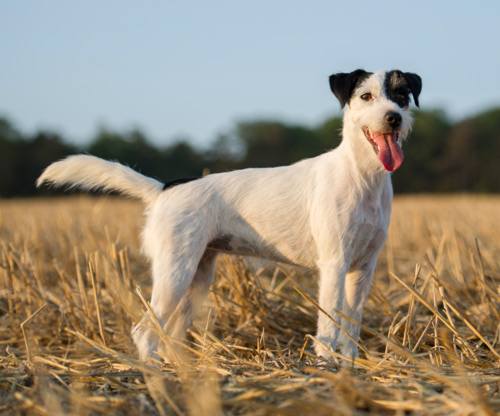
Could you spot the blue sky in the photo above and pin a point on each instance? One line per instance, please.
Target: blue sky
(192, 69)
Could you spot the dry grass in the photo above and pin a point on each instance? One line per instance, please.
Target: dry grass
(69, 271)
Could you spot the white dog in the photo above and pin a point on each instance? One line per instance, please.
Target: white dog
(329, 213)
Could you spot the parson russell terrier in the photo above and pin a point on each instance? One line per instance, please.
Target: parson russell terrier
(330, 213)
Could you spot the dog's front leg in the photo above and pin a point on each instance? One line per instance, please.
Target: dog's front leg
(331, 293)
(357, 286)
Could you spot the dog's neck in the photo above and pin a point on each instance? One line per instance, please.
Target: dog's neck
(364, 164)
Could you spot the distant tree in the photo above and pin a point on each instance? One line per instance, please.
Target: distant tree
(22, 160)
(131, 148)
(421, 170)
(440, 156)
(470, 162)
(487, 144)
(181, 160)
(128, 148)
(44, 148)
(329, 134)
(110, 145)
(264, 143)
(225, 153)
(10, 157)
(8, 132)
(272, 143)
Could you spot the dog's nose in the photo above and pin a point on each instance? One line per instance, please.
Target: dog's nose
(393, 119)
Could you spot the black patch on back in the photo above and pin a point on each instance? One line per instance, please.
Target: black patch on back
(222, 243)
(180, 181)
(343, 85)
(399, 85)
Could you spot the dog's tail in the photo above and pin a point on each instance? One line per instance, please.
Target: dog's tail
(91, 173)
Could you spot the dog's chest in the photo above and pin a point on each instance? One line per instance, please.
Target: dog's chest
(366, 242)
(368, 233)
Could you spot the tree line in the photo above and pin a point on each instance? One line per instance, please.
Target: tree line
(440, 155)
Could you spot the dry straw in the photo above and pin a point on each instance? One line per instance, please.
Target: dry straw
(73, 283)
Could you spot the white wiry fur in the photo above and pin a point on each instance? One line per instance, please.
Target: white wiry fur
(330, 213)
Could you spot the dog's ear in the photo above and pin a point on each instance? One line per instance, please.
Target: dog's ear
(415, 84)
(343, 85)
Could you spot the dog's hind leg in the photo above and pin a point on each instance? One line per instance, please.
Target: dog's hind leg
(173, 274)
(190, 304)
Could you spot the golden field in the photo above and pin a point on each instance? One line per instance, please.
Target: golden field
(73, 283)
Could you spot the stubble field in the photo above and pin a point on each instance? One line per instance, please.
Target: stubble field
(73, 283)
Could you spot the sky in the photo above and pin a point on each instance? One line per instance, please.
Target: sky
(192, 69)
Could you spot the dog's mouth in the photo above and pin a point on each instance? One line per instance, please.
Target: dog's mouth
(386, 147)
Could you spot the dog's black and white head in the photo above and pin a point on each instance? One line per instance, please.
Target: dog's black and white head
(378, 106)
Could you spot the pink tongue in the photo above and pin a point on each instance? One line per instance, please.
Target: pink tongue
(389, 151)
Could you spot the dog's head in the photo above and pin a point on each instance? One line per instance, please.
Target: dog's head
(378, 107)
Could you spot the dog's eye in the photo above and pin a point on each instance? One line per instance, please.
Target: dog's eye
(367, 96)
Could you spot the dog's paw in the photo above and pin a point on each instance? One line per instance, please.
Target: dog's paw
(146, 342)
(349, 352)
(324, 349)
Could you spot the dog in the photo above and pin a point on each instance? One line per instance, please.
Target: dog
(329, 213)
